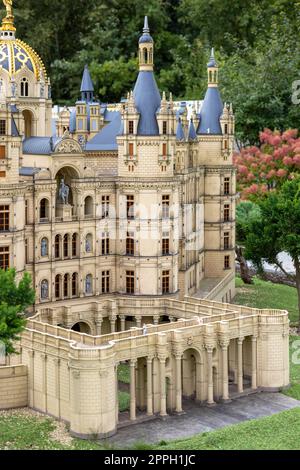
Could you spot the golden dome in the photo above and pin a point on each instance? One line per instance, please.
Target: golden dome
(16, 55)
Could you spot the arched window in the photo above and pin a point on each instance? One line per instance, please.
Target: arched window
(210, 76)
(88, 206)
(89, 243)
(74, 244)
(145, 53)
(58, 286)
(89, 284)
(44, 210)
(44, 289)
(74, 285)
(66, 245)
(24, 87)
(66, 285)
(44, 246)
(57, 246)
(215, 77)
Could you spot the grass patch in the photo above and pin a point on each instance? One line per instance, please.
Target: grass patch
(124, 401)
(294, 390)
(124, 373)
(265, 294)
(277, 432)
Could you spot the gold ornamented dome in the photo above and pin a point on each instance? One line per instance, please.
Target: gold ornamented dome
(16, 55)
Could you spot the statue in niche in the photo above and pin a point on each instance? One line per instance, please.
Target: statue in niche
(44, 247)
(88, 284)
(64, 192)
(88, 244)
(44, 289)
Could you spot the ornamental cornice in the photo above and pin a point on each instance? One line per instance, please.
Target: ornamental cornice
(100, 154)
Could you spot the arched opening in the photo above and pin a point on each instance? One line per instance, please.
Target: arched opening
(24, 87)
(66, 245)
(89, 243)
(210, 76)
(75, 244)
(57, 246)
(44, 210)
(164, 319)
(57, 285)
(28, 123)
(44, 246)
(65, 178)
(192, 375)
(88, 206)
(66, 285)
(145, 53)
(74, 285)
(81, 327)
(44, 289)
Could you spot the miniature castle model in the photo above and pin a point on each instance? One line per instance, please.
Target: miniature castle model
(125, 216)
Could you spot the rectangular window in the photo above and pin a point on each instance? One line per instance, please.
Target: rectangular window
(105, 282)
(130, 206)
(164, 127)
(2, 127)
(4, 218)
(165, 206)
(226, 128)
(130, 244)
(131, 149)
(2, 174)
(165, 246)
(226, 186)
(226, 240)
(130, 127)
(105, 206)
(226, 212)
(4, 257)
(227, 262)
(165, 282)
(164, 150)
(130, 282)
(2, 152)
(105, 244)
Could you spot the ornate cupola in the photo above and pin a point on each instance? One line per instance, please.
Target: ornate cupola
(212, 70)
(7, 30)
(146, 48)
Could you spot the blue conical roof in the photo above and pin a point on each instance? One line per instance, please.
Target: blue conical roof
(211, 112)
(192, 131)
(180, 132)
(147, 101)
(86, 84)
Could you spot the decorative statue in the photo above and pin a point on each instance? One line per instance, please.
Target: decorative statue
(145, 330)
(88, 245)
(13, 87)
(88, 284)
(64, 191)
(8, 6)
(44, 289)
(44, 247)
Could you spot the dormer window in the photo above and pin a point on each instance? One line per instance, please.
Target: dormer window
(24, 87)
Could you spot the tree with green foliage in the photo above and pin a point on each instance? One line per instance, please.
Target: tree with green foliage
(277, 230)
(14, 299)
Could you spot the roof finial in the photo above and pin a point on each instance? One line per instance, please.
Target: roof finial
(8, 21)
(212, 61)
(146, 25)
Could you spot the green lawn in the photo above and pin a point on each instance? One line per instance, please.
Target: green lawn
(124, 401)
(264, 294)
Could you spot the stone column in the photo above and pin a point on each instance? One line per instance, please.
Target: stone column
(240, 365)
(112, 324)
(163, 398)
(132, 390)
(138, 322)
(225, 392)
(122, 320)
(210, 383)
(98, 327)
(254, 363)
(172, 319)
(149, 387)
(178, 409)
(155, 319)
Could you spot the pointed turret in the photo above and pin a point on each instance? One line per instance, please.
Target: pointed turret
(180, 132)
(192, 132)
(87, 87)
(212, 108)
(146, 95)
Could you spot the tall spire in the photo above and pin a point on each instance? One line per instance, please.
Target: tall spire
(8, 29)
(87, 87)
(146, 48)
(212, 70)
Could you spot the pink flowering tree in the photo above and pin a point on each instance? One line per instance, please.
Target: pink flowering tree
(266, 168)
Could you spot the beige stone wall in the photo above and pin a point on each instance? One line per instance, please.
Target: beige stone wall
(13, 386)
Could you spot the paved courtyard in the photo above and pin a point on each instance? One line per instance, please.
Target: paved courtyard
(199, 419)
